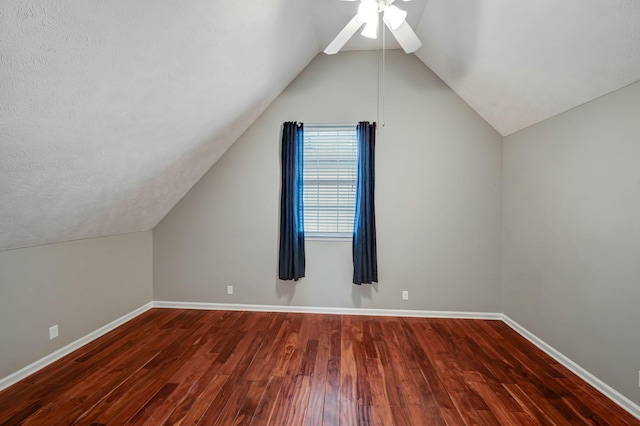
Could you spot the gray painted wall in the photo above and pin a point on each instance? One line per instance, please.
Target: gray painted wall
(438, 195)
(571, 246)
(79, 285)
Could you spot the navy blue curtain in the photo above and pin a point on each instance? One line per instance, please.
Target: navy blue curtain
(291, 256)
(365, 257)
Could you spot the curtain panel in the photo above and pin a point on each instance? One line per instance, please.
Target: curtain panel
(365, 257)
(291, 260)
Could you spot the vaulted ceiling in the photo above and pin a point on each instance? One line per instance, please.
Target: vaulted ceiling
(111, 111)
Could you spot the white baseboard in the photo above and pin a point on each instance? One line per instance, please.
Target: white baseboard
(320, 310)
(43, 362)
(601, 386)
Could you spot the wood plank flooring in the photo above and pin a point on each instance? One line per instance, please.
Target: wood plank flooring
(240, 368)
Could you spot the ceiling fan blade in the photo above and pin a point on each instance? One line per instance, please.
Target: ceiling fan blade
(406, 37)
(343, 36)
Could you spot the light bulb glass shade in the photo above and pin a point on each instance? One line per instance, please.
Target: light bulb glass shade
(367, 11)
(371, 29)
(394, 17)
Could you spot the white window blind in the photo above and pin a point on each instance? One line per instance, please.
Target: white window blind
(329, 179)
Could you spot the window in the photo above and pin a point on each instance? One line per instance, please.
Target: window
(329, 180)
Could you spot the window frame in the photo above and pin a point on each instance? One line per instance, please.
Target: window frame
(330, 236)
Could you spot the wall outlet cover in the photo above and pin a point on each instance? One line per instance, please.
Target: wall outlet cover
(53, 332)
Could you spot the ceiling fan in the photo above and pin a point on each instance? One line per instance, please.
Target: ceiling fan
(369, 15)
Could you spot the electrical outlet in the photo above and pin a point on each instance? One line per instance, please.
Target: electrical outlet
(53, 332)
(229, 289)
(405, 295)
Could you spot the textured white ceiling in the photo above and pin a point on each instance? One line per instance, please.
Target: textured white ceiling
(111, 110)
(519, 62)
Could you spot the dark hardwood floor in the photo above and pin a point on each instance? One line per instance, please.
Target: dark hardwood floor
(227, 368)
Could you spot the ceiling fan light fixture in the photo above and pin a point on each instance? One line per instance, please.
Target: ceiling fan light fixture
(367, 11)
(371, 29)
(394, 17)
(368, 14)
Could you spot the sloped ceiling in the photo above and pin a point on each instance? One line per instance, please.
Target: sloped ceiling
(520, 62)
(111, 110)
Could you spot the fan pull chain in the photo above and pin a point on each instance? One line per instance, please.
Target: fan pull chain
(384, 46)
(378, 85)
(381, 72)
